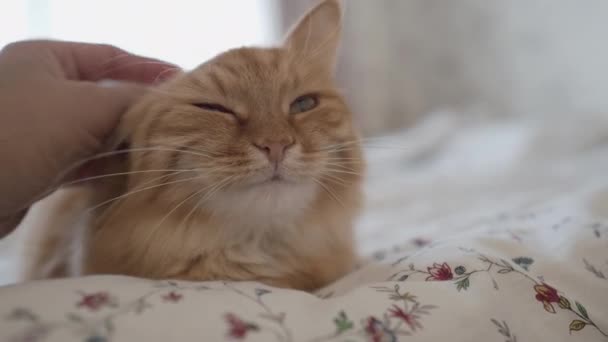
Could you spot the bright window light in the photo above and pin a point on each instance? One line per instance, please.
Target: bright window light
(185, 32)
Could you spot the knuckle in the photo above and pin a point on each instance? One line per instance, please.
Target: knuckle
(23, 45)
(15, 46)
(110, 49)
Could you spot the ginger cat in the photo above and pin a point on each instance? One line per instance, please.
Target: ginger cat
(246, 168)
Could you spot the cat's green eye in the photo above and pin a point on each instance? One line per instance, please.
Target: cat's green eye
(213, 107)
(303, 104)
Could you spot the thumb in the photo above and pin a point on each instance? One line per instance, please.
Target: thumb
(94, 114)
(103, 105)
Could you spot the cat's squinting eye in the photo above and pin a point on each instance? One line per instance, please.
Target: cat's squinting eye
(214, 107)
(303, 104)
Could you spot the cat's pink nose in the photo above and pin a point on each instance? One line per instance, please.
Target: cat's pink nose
(274, 150)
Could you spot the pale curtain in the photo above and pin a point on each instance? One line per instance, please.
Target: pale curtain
(402, 59)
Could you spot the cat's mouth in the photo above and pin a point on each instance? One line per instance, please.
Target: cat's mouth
(276, 177)
(270, 177)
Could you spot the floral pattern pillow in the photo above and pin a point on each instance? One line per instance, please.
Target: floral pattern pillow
(533, 274)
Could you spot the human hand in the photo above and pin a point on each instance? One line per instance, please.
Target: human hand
(53, 112)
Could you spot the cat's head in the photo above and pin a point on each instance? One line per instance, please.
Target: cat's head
(260, 129)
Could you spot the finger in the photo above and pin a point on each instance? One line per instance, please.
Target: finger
(95, 62)
(103, 105)
(94, 114)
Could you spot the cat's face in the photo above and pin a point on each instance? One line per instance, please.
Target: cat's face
(263, 129)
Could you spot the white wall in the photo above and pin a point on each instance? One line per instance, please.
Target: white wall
(185, 32)
(555, 54)
(402, 59)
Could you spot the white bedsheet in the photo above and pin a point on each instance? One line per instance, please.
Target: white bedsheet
(473, 232)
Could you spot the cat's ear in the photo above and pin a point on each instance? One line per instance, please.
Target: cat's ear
(315, 38)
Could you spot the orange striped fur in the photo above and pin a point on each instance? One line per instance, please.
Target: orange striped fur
(224, 219)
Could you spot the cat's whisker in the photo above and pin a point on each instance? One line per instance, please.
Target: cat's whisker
(140, 190)
(343, 144)
(344, 147)
(334, 179)
(150, 181)
(208, 196)
(363, 147)
(352, 142)
(336, 152)
(220, 185)
(190, 197)
(347, 164)
(329, 166)
(340, 166)
(86, 179)
(331, 193)
(161, 177)
(112, 206)
(335, 182)
(188, 149)
(334, 146)
(183, 147)
(191, 212)
(342, 171)
(81, 162)
(212, 187)
(328, 156)
(343, 158)
(196, 193)
(388, 147)
(290, 170)
(351, 163)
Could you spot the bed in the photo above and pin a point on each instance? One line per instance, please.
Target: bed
(473, 231)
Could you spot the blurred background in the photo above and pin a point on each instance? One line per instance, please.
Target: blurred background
(485, 101)
(401, 59)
